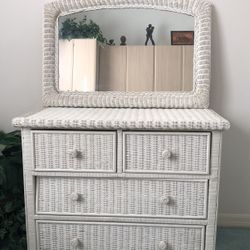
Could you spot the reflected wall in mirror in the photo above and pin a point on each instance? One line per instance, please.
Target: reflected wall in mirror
(105, 50)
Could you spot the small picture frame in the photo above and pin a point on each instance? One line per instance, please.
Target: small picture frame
(182, 37)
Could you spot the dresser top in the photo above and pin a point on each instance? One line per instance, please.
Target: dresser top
(117, 118)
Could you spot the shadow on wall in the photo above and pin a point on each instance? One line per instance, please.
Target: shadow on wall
(236, 142)
(218, 76)
(234, 193)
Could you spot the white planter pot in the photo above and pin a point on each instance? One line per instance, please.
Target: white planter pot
(77, 65)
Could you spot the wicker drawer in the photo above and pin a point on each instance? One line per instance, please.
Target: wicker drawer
(122, 197)
(151, 152)
(75, 151)
(114, 236)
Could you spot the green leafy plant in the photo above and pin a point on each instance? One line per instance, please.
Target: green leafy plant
(71, 29)
(12, 215)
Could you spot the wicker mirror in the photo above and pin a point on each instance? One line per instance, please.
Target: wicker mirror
(94, 71)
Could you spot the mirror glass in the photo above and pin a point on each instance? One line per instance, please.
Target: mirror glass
(125, 50)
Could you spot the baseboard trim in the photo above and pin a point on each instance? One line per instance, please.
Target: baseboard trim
(234, 220)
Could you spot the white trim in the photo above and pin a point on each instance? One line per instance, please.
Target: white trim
(118, 175)
(77, 218)
(119, 224)
(233, 220)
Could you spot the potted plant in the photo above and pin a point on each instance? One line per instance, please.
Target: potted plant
(12, 215)
(71, 29)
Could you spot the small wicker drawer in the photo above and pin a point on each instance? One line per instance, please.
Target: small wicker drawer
(122, 197)
(74, 151)
(153, 152)
(114, 236)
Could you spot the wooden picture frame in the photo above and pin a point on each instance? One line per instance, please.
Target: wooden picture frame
(182, 37)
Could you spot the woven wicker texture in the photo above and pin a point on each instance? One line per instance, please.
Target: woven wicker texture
(77, 151)
(60, 236)
(198, 98)
(162, 152)
(59, 196)
(167, 198)
(101, 118)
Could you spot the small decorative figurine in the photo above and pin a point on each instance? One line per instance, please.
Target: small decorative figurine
(123, 40)
(149, 34)
(111, 42)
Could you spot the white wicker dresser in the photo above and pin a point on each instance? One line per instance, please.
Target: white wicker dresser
(127, 179)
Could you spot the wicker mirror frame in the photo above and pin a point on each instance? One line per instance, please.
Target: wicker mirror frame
(197, 98)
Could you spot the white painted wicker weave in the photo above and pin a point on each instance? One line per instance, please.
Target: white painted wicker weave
(166, 152)
(83, 151)
(198, 98)
(122, 197)
(151, 210)
(115, 118)
(111, 236)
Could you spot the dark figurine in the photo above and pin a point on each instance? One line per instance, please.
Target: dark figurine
(123, 40)
(149, 35)
(111, 42)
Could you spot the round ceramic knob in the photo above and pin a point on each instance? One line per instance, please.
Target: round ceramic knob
(75, 242)
(163, 245)
(165, 199)
(75, 196)
(167, 154)
(75, 154)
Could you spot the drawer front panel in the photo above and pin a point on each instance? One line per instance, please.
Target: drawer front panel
(122, 197)
(114, 236)
(75, 151)
(166, 152)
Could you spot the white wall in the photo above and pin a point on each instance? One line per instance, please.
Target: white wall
(20, 58)
(230, 96)
(132, 23)
(20, 82)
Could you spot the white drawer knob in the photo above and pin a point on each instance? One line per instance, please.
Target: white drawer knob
(163, 245)
(165, 199)
(75, 197)
(75, 243)
(75, 154)
(166, 154)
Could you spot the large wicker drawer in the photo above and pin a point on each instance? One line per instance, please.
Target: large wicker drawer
(75, 151)
(122, 197)
(161, 152)
(114, 236)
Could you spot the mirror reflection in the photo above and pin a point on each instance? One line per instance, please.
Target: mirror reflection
(126, 50)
